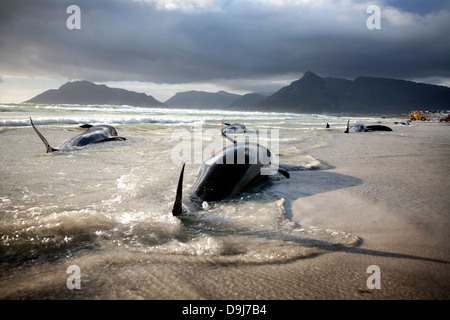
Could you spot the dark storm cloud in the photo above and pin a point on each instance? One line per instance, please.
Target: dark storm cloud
(419, 6)
(190, 41)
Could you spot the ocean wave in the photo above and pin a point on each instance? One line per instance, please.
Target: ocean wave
(94, 121)
(62, 114)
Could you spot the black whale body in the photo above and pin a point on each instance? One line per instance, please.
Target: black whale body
(227, 173)
(362, 128)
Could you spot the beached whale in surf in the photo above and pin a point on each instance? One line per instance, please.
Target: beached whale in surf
(362, 128)
(233, 128)
(228, 172)
(93, 134)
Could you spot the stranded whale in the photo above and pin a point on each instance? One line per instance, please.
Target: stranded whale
(233, 128)
(228, 172)
(362, 128)
(93, 134)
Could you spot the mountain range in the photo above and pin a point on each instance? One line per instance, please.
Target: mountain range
(309, 94)
(202, 100)
(314, 94)
(88, 93)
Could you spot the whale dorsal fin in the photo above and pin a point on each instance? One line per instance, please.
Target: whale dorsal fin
(178, 205)
(47, 145)
(223, 133)
(284, 173)
(348, 126)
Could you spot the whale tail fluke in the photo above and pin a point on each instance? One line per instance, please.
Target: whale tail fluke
(47, 145)
(178, 205)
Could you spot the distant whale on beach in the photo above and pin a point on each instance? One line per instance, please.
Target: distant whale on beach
(227, 173)
(362, 128)
(93, 134)
(234, 128)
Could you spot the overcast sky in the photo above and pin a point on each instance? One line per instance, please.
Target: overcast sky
(164, 46)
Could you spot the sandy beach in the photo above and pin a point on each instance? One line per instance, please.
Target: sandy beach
(389, 189)
(398, 207)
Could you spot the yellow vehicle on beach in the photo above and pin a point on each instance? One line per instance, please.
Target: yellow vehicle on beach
(417, 115)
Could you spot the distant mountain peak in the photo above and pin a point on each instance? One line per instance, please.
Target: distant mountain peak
(310, 77)
(79, 83)
(310, 74)
(308, 80)
(86, 92)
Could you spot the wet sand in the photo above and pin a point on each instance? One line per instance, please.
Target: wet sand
(399, 209)
(388, 188)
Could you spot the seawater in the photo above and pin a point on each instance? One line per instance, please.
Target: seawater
(110, 203)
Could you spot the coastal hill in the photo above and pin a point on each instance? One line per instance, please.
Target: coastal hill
(85, 92)
(247, 101)
(314, 94)
(202, 100)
